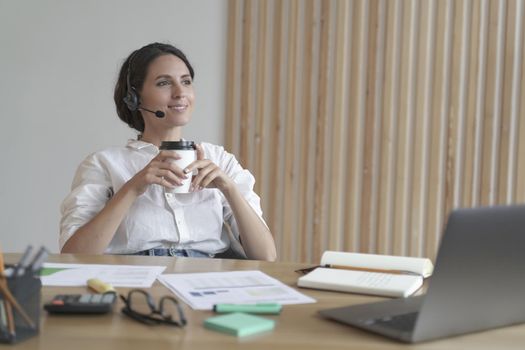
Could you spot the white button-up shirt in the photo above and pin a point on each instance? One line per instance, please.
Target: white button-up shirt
(156, 219)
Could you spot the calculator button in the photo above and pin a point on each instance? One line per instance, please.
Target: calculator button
(108, 298)
(85, 298)
(71, 298)
(96, 298)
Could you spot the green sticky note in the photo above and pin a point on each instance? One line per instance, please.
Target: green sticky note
(239, 324)
(46, 271)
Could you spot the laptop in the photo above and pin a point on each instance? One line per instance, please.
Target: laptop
(478, 282)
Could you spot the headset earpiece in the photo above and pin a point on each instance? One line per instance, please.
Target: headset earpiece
(131, 99)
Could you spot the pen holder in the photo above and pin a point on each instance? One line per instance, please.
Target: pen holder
(25, 289)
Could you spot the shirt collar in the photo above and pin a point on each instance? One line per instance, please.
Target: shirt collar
(138, 145)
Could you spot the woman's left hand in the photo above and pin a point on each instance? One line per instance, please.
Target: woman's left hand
(209, 174)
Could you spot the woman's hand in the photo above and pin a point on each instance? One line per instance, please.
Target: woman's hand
(161, 170)
(209, 174)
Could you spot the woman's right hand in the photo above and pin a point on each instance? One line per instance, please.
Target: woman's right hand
(161, 170)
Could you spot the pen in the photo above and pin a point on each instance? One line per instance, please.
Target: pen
(38, 259)
(3, 317)
(22, 264)
(260, 308)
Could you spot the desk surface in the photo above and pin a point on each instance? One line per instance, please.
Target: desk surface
(298, 326)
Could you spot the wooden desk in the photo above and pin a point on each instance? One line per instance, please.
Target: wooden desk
(298, 326)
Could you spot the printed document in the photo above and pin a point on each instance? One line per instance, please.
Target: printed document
(73, 275)
(202, 290)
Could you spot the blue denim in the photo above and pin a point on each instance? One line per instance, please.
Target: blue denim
(174, 252)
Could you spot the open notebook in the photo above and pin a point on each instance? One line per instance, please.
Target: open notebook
(384, 275)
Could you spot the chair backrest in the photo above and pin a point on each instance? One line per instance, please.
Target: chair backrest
(235, 251)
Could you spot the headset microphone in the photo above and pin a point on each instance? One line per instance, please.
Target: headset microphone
(158, 114)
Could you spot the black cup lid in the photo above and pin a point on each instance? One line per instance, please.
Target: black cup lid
(180, 145)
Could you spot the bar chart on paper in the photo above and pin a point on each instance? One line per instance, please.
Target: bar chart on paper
(203, 290)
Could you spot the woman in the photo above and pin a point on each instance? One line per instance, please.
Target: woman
(118, 203)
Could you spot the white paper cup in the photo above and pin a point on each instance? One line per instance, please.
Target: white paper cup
(186, 150)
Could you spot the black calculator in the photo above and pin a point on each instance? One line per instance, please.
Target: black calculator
(81, 303)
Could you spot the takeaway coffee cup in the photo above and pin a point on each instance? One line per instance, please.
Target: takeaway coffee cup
(187, 151)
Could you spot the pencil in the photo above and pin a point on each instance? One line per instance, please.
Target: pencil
(7, 304)
(366, 269)
(1, 263)
(10, 319)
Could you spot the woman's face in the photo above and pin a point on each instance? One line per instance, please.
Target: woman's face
(168, 87)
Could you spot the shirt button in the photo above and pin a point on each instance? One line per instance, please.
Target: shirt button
(168, 195)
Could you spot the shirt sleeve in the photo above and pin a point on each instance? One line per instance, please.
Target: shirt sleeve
(244, 180)
(90, 191)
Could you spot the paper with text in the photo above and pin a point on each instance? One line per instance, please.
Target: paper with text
(73, 275)
(202, 290)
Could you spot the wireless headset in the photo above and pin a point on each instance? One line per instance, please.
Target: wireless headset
(132, 99)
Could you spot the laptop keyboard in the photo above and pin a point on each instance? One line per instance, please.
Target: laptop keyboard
(404, 322)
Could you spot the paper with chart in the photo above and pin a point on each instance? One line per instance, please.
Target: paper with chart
(75, 275)
(202, 290)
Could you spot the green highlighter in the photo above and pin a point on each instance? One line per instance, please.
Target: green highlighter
(260, 308)
(239, 324)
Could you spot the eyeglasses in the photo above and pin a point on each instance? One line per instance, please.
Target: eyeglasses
(139, 305)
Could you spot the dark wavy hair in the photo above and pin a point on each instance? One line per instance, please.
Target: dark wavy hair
(140, 61)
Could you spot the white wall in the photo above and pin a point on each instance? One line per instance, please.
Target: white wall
(58, 65)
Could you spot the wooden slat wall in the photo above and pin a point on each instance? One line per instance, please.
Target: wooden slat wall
(366, 122)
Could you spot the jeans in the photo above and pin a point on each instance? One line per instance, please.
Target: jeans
(174, 252)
